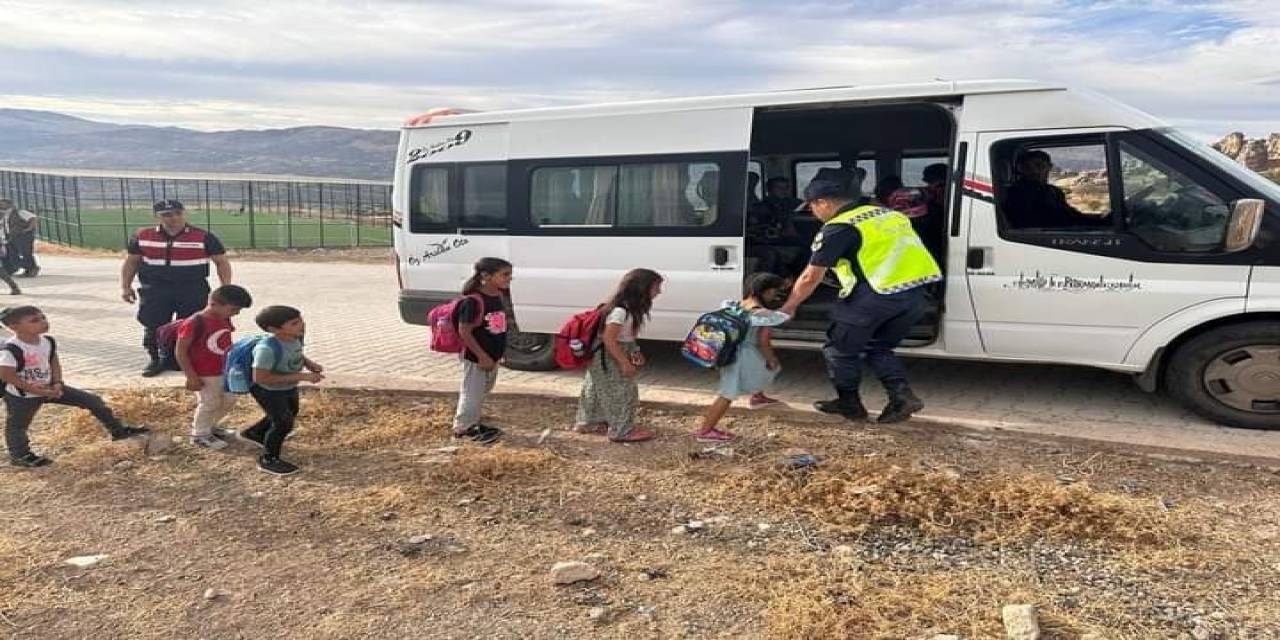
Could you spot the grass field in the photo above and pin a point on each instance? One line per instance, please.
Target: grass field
(104, 229)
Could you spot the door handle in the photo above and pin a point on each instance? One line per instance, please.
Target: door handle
(720, 256)
(977, 259)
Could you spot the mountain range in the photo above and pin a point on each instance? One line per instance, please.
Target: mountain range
(52, 140)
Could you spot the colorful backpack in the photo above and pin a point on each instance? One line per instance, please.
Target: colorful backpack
(579, 339)
(237, 373)
(715, 337)
(443, 320)
(167, 339)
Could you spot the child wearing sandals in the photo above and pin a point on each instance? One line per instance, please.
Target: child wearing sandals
(609, 394)
(756, 365)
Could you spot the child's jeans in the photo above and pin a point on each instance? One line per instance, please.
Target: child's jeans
(281, 408)
(476, 385)
(23, 410)
(213, 404)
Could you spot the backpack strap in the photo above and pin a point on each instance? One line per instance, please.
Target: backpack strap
(277, 349)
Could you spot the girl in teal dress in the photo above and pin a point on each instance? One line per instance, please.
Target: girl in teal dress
(756, 365)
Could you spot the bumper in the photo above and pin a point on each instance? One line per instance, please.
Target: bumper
(415, 303)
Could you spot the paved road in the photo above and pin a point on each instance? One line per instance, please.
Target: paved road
(355, 330)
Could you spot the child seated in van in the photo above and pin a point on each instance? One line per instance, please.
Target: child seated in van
(32, 376)
(756, 364)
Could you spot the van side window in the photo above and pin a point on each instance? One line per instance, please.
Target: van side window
(914, 166)
(674, 194)
(1060, 187)
(807, 169)
(429, 199)
(1166, 209)
(484, 197)
(669, 194)
(573, 196)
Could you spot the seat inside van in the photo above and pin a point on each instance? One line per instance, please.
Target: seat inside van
(875, 141)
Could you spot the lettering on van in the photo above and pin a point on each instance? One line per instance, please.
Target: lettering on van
(1053, 282)
(1085, 241)
(456, 140)
(437, 249)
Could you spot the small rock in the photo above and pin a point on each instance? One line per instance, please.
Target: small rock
(123, 465)
(421, 539)
(695, 525)
(257, 494)
(86, 561)
(1021, 622)
(214, 594)
(646, 611)
(465, 501)
(447, 449)
(642, 497)
(166, 519)
(598, 614)
(679, 530)
(587, 533)
(571, 572)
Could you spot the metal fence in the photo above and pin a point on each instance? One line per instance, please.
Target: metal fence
(251, 211)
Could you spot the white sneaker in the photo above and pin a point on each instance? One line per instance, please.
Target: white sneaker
(208, 442)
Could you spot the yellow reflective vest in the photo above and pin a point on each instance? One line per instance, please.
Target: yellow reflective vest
(892, 257)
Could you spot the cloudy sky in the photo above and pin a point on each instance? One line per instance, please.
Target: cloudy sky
(1210, 66)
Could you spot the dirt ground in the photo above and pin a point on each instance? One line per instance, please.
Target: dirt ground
(394, 530)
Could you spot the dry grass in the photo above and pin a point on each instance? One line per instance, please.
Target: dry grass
(850, 550)
(856, 496)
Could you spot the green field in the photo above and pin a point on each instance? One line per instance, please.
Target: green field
(106, 229)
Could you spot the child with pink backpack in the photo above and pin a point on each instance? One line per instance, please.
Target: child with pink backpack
(475, 327)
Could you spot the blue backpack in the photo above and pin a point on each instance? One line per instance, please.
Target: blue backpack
(715, 337)
(237, 373)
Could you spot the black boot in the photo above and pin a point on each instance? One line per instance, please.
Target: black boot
(902, 403)
(155, 367)
(847, 404)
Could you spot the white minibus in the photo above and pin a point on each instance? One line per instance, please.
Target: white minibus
(1144, 251)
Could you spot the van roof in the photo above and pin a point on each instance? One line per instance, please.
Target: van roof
(937, 89)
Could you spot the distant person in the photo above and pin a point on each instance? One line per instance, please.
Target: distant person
(607, 404)
(1032, 203)
(19, 230)
(32, 375)
(203, 340)
(5, 275)
(171, 261)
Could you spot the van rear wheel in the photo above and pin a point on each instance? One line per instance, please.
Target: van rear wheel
(1231, 375)
(530, 351)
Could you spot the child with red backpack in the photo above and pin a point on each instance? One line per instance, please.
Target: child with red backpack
(481, 319)
(609, 396)
(200, 347)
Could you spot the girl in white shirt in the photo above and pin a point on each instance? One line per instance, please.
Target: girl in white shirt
(609, 396)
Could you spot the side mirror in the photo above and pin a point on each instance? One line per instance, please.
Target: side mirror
(1242, 228)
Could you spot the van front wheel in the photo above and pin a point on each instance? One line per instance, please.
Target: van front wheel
(1231, 375)
(530, 351)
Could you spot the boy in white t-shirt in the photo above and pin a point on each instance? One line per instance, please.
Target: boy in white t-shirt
(32, 376)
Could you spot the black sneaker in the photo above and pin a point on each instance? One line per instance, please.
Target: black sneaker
(30, 461)
(126, 432)
(276, 466)
(248, 436)
(154, 368)
(480, 434)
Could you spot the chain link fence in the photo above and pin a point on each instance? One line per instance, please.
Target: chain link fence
(248, 212)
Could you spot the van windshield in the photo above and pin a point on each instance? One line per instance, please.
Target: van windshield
(1263, 186)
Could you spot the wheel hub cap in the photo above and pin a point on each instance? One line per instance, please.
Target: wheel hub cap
(1246, 378)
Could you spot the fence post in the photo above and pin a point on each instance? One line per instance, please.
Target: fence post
(357, 218)
(288, 216)
(253, 243)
